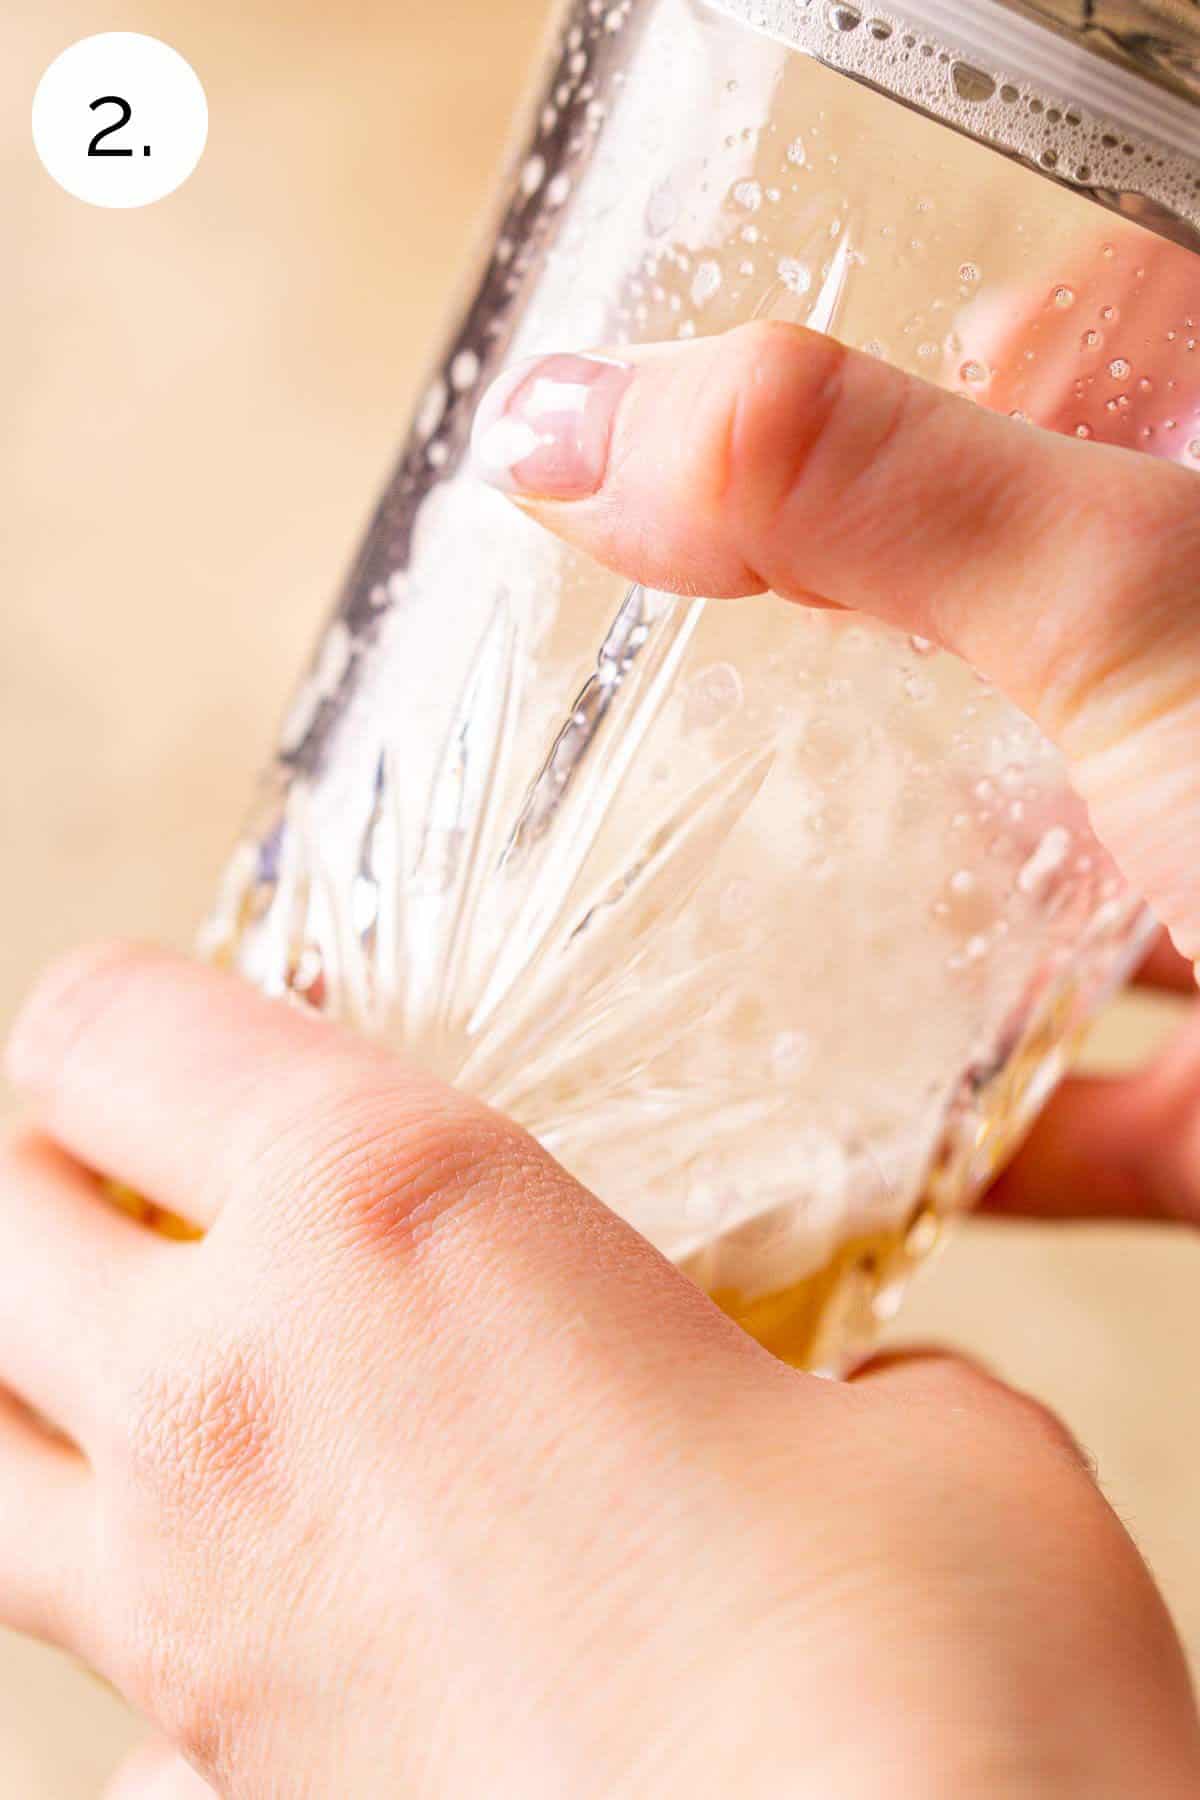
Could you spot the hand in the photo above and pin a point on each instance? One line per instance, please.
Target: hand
(421, 1473)
(1065, 570)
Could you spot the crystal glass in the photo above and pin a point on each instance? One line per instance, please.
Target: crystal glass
(774, 926)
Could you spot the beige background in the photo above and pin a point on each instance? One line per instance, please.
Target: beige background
(200, 400)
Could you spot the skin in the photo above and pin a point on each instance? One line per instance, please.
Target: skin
(421, 1473)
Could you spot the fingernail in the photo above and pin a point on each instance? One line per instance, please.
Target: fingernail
(543, 429)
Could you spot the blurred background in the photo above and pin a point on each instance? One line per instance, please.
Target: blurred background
(201, 401)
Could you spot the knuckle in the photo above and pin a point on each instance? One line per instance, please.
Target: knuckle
(961, 1393)
(202, 1432)
(1036, 1425)
(813, 440)
(390, 1173)
(780, 390)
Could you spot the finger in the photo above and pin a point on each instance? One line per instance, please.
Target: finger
(156, 1772)
(71, 1271)
(170, 1077)
(183, 1082)
(43, 1520)
(774, 458)
(189, 1084)
(1118, 1147)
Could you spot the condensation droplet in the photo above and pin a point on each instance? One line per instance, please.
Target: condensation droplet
(1064, 296)
(1119, 368)
(433, 408)
(705, 282)
(464, 370)
(558, 190)
(1091, 340)
(797, 155)
(923, 646)
(794, 275)
(533, 175)
(975, 374)
(1047, 859)
(968, 271)
(748, 195)
(1083, 431)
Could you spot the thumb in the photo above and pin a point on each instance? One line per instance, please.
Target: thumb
(772, 457)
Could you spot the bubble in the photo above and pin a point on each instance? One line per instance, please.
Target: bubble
(533, 175)
(464, 370)
(971, 83)
(748, 195)
(1038, 870)
(845, 18)
(705, 282)
(794, 275)
(433, 407)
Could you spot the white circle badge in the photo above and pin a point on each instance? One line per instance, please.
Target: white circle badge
(120, 119)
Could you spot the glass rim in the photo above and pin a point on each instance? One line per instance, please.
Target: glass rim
(1019, 85)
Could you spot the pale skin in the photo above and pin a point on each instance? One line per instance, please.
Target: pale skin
(422, 1474)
